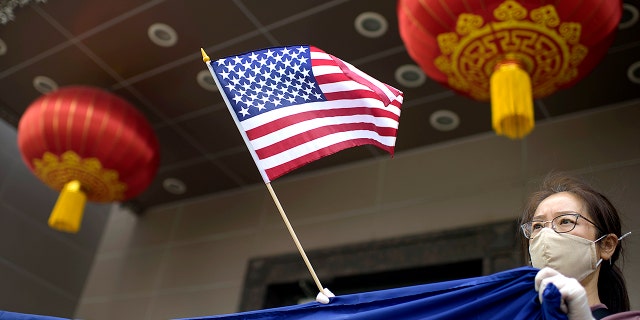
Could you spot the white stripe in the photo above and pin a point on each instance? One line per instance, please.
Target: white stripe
(311, 124)
(275, 114)
(343, 86)
(320, 56)
(321, 143)
(324, 70)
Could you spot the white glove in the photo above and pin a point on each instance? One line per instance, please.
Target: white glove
(574, 296)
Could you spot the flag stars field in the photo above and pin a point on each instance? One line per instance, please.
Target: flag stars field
(268, 79)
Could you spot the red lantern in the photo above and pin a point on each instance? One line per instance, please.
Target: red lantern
(89, 144)
(509, 51)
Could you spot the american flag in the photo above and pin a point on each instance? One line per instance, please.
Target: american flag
(296, 104)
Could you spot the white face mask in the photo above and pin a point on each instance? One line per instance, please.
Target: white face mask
(573, 256)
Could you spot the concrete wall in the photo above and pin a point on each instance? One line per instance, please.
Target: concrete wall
(42, 271)
(190, 259)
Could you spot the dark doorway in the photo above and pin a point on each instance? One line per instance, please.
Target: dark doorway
(286, 294)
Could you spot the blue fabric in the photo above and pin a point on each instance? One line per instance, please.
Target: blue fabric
(552, 300)
(504, 295)
(6, 315)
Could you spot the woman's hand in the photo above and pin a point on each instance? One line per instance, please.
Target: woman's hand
(574, 296)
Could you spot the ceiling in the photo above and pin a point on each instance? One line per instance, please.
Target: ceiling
(106, 44)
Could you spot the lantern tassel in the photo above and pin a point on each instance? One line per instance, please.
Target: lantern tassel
(511, 100)
(67, 213)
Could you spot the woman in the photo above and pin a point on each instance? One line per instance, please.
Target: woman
(573, 234)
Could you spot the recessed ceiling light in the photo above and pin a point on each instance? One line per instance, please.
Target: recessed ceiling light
(630, 16)
(444, 120)
(3, 48)
(44, 84)
(206, 81)
(410, 76)
(371, 24)
(174, 186)
(633, 73)
(162, 35)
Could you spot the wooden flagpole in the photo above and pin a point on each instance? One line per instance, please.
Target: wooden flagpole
(326, 293)
(295, 238)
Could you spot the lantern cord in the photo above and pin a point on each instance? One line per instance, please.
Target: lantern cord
(324, 292)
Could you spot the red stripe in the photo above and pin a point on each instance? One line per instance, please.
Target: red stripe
(289, 120)
(323, 62)
(332, 77)
(320, 132)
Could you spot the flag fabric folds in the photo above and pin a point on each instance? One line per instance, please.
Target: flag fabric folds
(296, 104)
(505, 295)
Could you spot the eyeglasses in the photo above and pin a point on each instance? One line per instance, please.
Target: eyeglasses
(560, 224)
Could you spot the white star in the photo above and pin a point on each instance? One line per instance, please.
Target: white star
(257, 70)
(235, 81)
(244, 111)
(247, 65)
(311, 84)
(305, 72)
(287, 63)
(303, 59)
(269, 53)
(302, 49)
(237, 98)
(224, 74)
(260, 106)
(286, 51)
(253, 56)
(309, 90)
(237, 60)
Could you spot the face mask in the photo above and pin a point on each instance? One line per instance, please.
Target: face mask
(570, 255)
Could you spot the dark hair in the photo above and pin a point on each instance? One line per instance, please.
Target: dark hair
(612, 289)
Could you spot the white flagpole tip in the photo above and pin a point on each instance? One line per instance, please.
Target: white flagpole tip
(323, 297)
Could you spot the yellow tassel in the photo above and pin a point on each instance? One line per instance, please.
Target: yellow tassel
(67, 213)
(511, 100)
